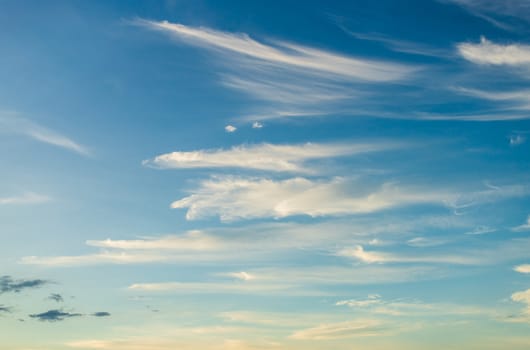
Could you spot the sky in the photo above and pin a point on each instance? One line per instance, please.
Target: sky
(284, 175)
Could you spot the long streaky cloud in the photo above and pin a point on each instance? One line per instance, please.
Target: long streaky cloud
(265, 156)
(233, 198)
(284, 54)
(362, 255)
(26, 198)
(25, 127)
(487, 52)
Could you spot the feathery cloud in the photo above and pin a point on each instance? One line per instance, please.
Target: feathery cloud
(523, 227)
(340, 330)
(26, 198)
(25, 127)
(298, 80)
(266, 156)
(496, 12)
(283, 53)
(370, 257)
(233, 198)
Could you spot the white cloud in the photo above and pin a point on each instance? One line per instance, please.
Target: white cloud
(288, 80)
(425, 242)
(370, 257)
(490, 10)
(26, 198)
(242, 275)
(523, 297)
(265, 156)
(25, 127)
(517, 139)
(375, 304)
(233, 198)
(341, 330)
(230, 128)
(487, 52)
(284, 288)
(525, 268)
(257, 125)
(523, 227)
(481, 230)
(284, 54)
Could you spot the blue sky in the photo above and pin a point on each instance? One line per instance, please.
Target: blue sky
(244, 175)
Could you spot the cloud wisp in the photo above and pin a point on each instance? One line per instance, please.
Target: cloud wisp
(25, 127)
(235, 198)
(370, 257)
(523, 227)
(283, 53)
(349, 329)
(26, 198)
(290, 79)
(266, 156)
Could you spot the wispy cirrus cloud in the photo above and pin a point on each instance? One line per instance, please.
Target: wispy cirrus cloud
(406, 308)
(290, 80)
(283, 53)
(496, 12)
(370, 257)
(17, 125)
(26, 198)
(233, 198)
(523, 227)
(339, 330)
(266, 156)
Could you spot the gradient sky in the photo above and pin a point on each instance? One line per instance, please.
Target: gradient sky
(243, 175)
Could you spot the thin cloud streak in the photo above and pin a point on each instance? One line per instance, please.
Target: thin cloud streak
(26, 198)
(284, 53)
(25, 127)
(270, 157)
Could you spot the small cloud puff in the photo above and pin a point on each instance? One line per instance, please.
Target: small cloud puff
(517, 139)
(257, 125)
(230, 128)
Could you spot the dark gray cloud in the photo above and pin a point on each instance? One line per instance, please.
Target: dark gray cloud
(4, 309)
(56, 297)
(54, 315)
(101, 314)
(8, 284)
